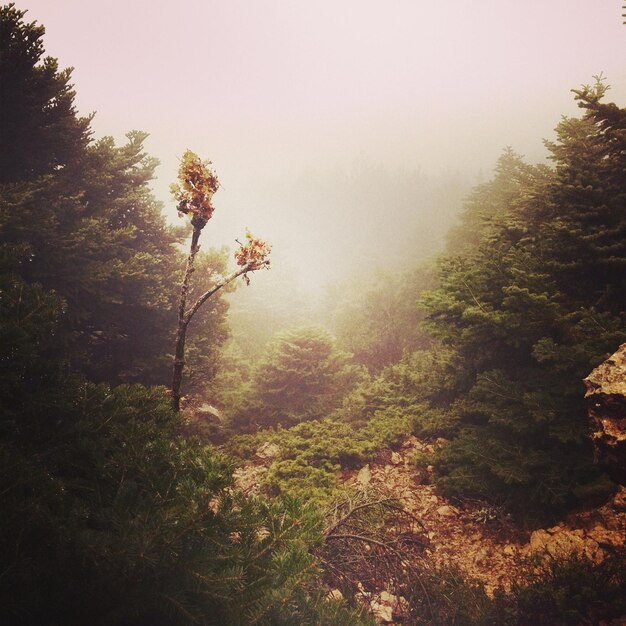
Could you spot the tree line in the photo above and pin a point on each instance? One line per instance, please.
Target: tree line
(110, 514)
(487, 345)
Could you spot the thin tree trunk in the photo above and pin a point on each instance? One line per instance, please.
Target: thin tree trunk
(185, 315)
(181, 335)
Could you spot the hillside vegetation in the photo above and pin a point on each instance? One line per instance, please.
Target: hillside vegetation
(118, 509)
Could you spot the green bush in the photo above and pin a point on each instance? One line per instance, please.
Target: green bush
(302, 376)
(112, 506)
(312, 453)
(566, 592)
(294, 478)
(573, 591)
(446, 597)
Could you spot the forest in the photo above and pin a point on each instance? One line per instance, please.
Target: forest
(173, 455)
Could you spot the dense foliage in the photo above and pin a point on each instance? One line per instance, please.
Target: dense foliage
(532, 304)
(302, 376)
(39, 129)
(109, 515)
(378, 322)
(566, 592)
(83, 222)
(110, 505)
(311, 454)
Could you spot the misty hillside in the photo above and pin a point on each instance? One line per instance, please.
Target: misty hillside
(363, 366)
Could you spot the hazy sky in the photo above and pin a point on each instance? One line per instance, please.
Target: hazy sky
(280, 92)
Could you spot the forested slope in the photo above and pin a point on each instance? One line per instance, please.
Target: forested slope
(109, 515)
(118, 510)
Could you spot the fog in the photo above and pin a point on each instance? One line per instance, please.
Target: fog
(344, 132)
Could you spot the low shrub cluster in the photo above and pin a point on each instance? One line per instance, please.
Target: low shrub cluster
(312, 453)
(568, 592)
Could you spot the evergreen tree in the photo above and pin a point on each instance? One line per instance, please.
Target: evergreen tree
(489, 202)
(587, 241)
(78, 217)
(302, 376)
(94, 234)
(39, 129)
(529, 311)
(380, 323)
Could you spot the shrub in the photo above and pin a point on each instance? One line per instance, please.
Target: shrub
(114, 507)
(573, 591)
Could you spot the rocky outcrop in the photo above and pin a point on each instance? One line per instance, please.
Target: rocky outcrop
(593, 534)
(249, 478)
(268, 452)
(480, 540)
(606, 398)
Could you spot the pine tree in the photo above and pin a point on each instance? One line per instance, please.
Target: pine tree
(78, 217)
(379, 323)
(302, 376)
(489, 202)
(39, 129)
(532, 308)
(94, 234)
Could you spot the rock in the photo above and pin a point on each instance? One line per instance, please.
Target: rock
(385, 606)
(606, 405)
(565, 544)
(335, 594)
(248, 478)
(602, 535)
(619, 500)
(388, 598)
(559, 543)
(382, 612)
(364, 476)
(268, 451)
(396, 458)
(420, 476)
(447, 511)
(411, 441)
(539, 540)
(481, 555)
